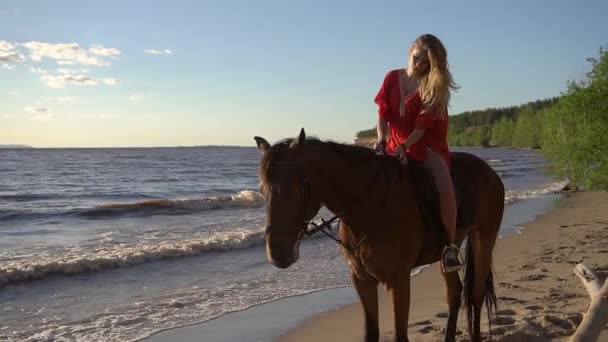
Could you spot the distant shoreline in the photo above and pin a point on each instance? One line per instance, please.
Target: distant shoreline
(27, 147)
(16, 147)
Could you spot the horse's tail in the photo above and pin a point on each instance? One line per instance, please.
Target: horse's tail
(469, 286)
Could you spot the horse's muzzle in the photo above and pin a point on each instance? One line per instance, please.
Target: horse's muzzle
(282, 250)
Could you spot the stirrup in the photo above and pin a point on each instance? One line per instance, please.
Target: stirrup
(453, 268)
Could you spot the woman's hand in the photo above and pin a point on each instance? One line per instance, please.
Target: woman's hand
(380, 146)
(400, 151)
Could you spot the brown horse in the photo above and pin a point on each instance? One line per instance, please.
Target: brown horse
(389, 222)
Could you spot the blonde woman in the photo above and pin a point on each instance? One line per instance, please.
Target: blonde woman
(413, 123)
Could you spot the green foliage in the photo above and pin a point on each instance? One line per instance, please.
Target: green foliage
(368, 133)
(493, 126)
(490, 116)
(527, 130)
(472, 136)
(575, 130)
(502, 132)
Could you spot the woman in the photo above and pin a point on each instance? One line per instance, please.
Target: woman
(413, 123)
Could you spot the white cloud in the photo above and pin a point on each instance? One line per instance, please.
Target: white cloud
(13, 93)
(158, 52)
(136, 97)
(67, 99)
(73, 71)
(61, 80)
(5, 116)
(6, 46)
(42, 117)
(104, 51)
(38, 71)
(36, 109)
(62, 54)
(9, 54)
(110, 81)
(69, 54)
(66, 62)
(60, 99)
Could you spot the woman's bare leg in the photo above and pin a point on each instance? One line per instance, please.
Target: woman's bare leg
(447, 199)
(438, 168)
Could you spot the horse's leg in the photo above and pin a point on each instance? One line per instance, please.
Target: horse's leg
(482, 243)
(367, 289)
(454, 292)
(400, 292)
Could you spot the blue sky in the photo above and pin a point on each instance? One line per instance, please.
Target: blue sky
(137, 73)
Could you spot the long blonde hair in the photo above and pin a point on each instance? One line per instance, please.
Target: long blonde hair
(436, 83)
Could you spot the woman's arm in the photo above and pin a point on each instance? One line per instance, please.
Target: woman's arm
(414, 137)
(382, 130)
(411, 140)
(426, 119)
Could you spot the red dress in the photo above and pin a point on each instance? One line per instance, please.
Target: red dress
(436, 127)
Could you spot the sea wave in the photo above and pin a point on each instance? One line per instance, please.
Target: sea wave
(26, 197)
(244, 199)
(148, 207)
(75, 260)
(520, 195)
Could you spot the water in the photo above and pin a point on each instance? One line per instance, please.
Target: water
(116, 244)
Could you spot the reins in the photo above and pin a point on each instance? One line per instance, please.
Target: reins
(310, 228)
(325, 228)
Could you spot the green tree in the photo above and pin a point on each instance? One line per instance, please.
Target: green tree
(575, 130)
(527, 131)
(502, 132)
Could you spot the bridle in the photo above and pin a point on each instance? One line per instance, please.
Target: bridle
(303, 210)
(307, 227)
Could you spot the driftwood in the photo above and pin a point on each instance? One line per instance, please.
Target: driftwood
(596, 317)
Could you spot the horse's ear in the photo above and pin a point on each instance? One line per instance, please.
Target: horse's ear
(263, 145)
(299, 143)
(302, 136)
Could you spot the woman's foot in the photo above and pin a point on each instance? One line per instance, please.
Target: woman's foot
(449, 259)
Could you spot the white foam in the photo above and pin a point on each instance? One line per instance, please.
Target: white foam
(243, 199)
(133, 322)
(74, 260)
(520, 195)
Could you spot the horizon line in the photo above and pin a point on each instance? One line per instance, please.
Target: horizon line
(30, 147)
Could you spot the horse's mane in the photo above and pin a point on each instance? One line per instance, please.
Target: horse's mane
(355, 156)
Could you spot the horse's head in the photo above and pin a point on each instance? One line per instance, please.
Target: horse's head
(292, 192)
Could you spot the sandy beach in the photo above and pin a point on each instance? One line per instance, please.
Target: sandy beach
(540, 299)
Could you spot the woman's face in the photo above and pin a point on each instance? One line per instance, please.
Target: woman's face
(419, 60)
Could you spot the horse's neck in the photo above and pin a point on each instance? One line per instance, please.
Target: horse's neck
(344, 189)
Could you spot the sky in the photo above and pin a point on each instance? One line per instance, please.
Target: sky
(183, 73)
